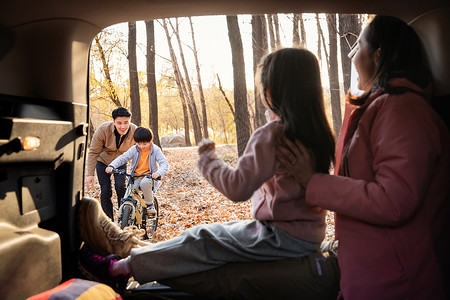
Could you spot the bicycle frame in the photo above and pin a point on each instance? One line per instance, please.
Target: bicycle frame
(137, 205)
(135, 198)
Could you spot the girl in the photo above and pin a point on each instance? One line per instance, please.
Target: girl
(284, 226)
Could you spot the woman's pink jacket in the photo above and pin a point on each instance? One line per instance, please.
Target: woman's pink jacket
(392, 198)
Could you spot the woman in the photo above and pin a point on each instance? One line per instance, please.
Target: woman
(391, 192)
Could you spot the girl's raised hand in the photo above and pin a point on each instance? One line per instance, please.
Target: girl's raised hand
(206, 145)
(297, 160)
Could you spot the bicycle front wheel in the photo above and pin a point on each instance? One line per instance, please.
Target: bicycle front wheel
(151, 219)
(125, 218)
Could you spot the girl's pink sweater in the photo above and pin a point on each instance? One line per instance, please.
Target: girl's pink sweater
(275, 196)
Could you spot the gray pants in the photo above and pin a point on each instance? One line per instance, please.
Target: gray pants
(145, 185)
(205, 247)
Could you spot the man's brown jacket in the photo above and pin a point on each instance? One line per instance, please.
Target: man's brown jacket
(103, 145)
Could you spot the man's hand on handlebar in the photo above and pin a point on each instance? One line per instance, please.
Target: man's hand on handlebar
(115, 171)
(156, 176)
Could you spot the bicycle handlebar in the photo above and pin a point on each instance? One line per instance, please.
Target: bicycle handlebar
(123, 172)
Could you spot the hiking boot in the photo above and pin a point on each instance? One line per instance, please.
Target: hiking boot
(100, 233)
(98, 268)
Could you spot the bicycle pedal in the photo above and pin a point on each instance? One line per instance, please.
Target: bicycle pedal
(151, 211)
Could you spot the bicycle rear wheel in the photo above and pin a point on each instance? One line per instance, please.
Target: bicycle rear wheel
(125, 218)
(151, 220)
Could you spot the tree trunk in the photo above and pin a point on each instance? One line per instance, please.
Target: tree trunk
(303, 32)
(240, 87)
(295, 32)
(251, 116)
(322, 42)
(91, 130)
(333, 74)
(319, 39)
(188, 87)
(226, 98)
(111, 90)
(178, 80)
(151, 81)
(259, 45)
(277, 31)
(349, 29)
(135, 101)
(200, 86)
(273, 45)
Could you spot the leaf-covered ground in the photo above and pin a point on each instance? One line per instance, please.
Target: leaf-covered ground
(186, 199)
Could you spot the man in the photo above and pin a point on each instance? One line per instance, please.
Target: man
(110, 140)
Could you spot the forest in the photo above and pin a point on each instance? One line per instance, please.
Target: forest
(156, 69)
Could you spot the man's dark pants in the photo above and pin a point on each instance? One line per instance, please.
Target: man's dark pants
(104, 179)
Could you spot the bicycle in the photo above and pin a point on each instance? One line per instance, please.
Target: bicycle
(133, 209)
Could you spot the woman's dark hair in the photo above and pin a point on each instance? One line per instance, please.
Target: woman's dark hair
(401, 54)
(142, 135)
(120, 112)
(292, 77)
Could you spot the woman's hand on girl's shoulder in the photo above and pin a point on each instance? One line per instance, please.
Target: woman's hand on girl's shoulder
(297, 160)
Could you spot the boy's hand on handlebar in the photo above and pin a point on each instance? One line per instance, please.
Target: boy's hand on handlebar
(109, 169)
(206, 145)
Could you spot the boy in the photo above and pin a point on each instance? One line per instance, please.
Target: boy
(144, 156)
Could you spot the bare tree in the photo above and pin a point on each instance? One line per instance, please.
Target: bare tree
(111, 90)
(295, 31)
(151, 81)
(251, 115)
(276, 25)
(319, 38)
(226, 98)
(240, 87)
(333, 74)
(298, 31)
(200, 87)
(135, 101)
(349, 30)
(188, 88)
(259, 45)
(91, 129)
(273, 44)
(179, 82)
(303, 32)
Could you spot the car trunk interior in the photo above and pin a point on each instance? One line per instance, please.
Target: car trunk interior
(44, 62)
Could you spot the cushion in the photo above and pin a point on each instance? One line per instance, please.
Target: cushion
(79, 289)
